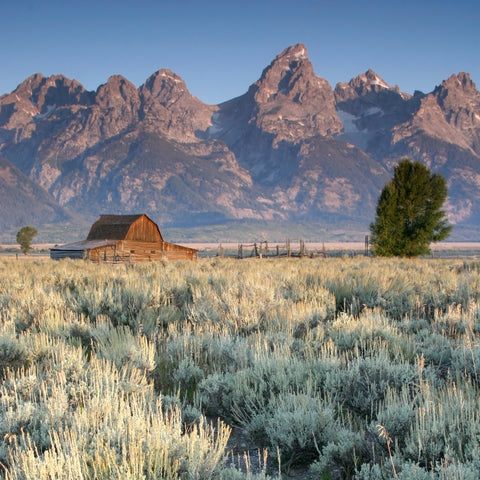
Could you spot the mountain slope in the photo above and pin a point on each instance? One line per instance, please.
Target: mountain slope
(290, 151)
(288, 104)
(25, 203)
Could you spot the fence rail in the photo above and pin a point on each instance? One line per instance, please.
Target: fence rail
(265, 249)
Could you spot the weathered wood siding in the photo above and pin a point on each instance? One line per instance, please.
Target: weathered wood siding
(127, 251)
(144, 230)
(178, 252)
(101, 254)
(137, 251)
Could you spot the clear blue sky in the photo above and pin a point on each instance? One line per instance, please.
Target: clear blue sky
(220, 47)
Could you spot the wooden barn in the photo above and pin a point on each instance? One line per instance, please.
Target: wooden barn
(123, 238)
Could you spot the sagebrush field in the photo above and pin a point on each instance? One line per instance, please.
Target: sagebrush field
(349, 368)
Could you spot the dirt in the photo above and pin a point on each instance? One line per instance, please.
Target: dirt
(245, 455)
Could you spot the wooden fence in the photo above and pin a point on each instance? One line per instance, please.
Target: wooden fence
(290, 248)
(265, 249)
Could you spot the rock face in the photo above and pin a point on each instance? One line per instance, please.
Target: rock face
(24, 202)
(286, 106)
(291, 149)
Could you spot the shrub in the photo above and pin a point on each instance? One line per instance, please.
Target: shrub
(306, 355)
(13, 354)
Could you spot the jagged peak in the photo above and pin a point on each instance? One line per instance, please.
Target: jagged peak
(38, 81)
(164, 79)
(31, 81)
(283, 72)
(165, 75)
(43, 92)
(461, 80)
(298, 52)
(116, 78)
(116, 86)
(369, 78)
(363, 84)
(290, 59)
(116, 82)
(168, 74)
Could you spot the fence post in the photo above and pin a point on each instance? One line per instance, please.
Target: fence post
(240, 251)
(289, 252)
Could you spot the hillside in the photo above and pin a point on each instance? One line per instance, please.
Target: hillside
(291, 154)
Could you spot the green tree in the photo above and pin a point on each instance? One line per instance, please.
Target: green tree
(409, 216)
(25, 237)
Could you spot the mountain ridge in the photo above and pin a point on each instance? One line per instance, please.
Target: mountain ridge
(292, 149)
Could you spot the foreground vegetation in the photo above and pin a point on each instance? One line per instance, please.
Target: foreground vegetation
(354, 368)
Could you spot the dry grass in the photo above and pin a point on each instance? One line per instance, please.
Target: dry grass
(306, 356)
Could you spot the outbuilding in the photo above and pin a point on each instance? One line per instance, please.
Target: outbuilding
(123, 238)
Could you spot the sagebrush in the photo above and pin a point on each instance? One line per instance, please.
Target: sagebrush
(353, 367)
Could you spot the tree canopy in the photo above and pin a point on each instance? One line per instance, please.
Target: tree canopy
(25, 237)
(409, 215)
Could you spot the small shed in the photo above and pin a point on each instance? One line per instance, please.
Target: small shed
(123, 238)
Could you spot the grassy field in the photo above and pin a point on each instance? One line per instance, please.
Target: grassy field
(336, 368)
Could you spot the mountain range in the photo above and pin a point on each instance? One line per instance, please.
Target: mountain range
(292, 156)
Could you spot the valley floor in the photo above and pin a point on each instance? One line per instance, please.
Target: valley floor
(340, 368)
(208, 249)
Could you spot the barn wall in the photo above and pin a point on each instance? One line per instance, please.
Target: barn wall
(129, 252)
(177, 252)
(145, 230)
(136, 251)
(148, 251)
(102, 254)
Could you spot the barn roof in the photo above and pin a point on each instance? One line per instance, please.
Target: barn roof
(113, 227)
(83, 245)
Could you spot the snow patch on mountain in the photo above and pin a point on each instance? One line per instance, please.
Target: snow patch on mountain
(301, 53)
(378, 81)
(351, 132)
(50, 110)
(372, 111)
(216, 126)
(349, 122)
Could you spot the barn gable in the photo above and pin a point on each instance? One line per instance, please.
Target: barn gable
(124, 238)
(125, 227)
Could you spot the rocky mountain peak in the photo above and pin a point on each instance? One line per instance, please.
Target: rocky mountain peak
(459, 101)
(168, 102)
(462, 82)
(38, 96)
(457, 89)
(166, 86)
(368, 107)
(370, 77)
(361, 85)
(56, 90)
(117, 90)
(288, 98)
(287, 73)
(290, 58)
